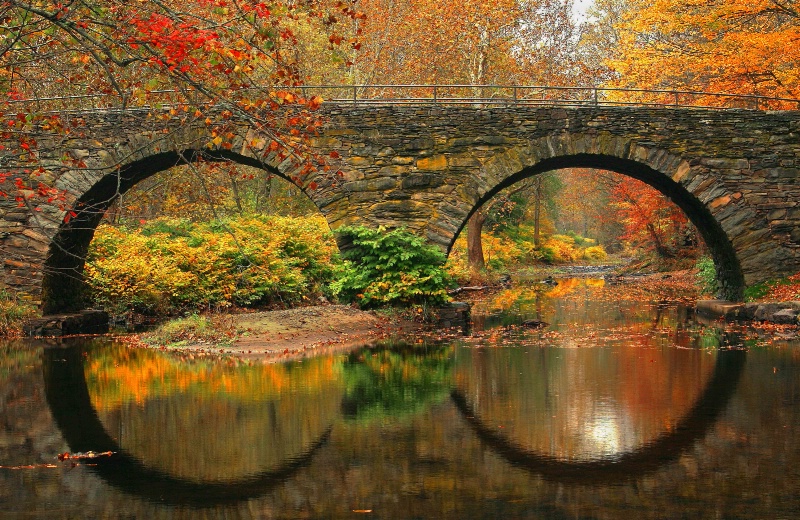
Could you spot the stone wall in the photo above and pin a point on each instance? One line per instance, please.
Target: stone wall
(735, 173)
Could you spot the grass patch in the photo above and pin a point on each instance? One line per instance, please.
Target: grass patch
(13, 314)
(215, 329)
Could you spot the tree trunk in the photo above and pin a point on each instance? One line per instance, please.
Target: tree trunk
(263, 193)
(475, 257)
(236, 197)
(661, 249)
(537, 209)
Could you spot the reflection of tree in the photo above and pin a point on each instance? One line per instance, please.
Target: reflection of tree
(117, 375)
(511, 306)
(395, 380)
(14, 358)
(191, 418)
(580, 307)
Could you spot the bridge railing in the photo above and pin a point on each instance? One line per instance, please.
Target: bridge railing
(412, 94)
(501, 95)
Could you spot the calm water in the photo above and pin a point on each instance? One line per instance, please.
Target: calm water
(616, 408)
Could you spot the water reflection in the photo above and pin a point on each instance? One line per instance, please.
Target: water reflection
(167, 449)
(607, 446)
(583, 403)
(237, 431)
(616, 406)
(395, 382)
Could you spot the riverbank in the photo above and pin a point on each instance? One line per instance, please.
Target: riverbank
(296, 333)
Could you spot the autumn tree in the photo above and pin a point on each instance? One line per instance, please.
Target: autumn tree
(467, 42)
(599, 40)
(206, 191)
(584, 202)
(649, 218)
(501, 206)
(238, 57)
(734, 46)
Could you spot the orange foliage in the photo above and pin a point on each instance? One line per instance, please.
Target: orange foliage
(745, 47)
(470, 41)
(121, 375)
(789, 291)
(649, 218)
(184, 55)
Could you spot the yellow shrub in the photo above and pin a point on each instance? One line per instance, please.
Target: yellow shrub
(566, 239)
(500, 253)
(561, 249)
(457, 262)
(171, 265)
(595, 253)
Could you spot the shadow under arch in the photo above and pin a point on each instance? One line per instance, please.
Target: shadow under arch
(69, 401)
(63, 288)
(729, 271)
(664, 449)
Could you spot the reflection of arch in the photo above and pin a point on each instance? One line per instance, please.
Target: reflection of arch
(664, 449)
(654, 169)
(68, 398)
(62, 283)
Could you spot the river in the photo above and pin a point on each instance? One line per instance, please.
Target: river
(622, 404)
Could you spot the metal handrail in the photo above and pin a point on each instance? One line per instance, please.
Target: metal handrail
(494, 95)
(525, 95)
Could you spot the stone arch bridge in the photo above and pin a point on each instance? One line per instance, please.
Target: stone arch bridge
(735, 173)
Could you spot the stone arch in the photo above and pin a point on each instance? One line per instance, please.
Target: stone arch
(671, 175)
(63, 288)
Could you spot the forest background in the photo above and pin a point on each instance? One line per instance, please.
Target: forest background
(215, 234)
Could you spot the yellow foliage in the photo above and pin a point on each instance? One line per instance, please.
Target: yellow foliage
(562, 249)
(563, 238)
(595, 253)
(170, 265)
(499, 252)
(120, 375)
(13, 314)
(733, 46)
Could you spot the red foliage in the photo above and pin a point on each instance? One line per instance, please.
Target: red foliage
(113, 53)
(650, 219)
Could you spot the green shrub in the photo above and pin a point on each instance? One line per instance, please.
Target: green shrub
(390, 267)
(547, 255)
(762, 290)
(167, 226)
(707, 275)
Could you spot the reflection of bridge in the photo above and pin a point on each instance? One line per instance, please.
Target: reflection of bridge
(736, 174)
(630, 465)
(70, 404)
